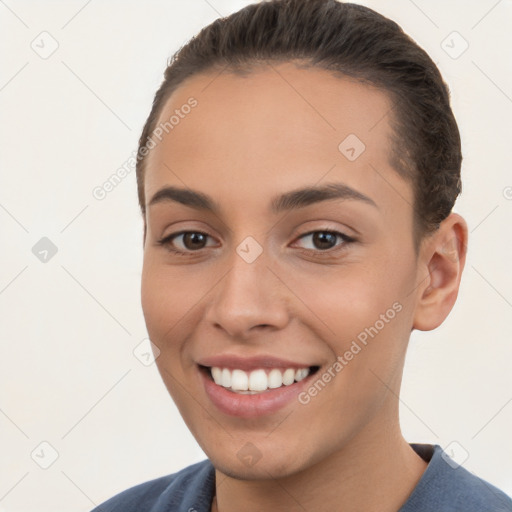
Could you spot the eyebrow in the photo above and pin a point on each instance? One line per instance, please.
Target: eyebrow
(292, 200)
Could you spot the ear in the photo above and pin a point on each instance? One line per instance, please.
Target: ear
(440, 264)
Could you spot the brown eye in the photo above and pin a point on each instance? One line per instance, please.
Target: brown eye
(194, 240)
(325, 240)
(185, 242)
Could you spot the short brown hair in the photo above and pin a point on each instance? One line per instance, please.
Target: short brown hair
(353, 41)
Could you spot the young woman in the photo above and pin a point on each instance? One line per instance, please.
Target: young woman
(296, 175)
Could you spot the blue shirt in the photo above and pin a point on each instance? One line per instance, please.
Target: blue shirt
(443, 487)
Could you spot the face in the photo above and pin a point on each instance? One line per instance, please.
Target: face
(308, 298)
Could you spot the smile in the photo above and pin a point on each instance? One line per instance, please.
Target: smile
(256, 381)
(254, 391)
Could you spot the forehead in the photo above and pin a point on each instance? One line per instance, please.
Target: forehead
(278, 127)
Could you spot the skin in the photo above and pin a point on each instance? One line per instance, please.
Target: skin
(249, 139)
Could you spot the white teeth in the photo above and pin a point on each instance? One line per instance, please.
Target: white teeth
(275, 379)
(301, 374)
(288, 376)
(217, 376)
(226, 378)
(239, 380)
(258, 380)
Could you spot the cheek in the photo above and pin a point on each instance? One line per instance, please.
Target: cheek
(166, 297)
(165, 312)
(171, 299)
(347, 301)
(156, 305)
(369, 309)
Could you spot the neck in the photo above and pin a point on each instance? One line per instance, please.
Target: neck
(376, 472)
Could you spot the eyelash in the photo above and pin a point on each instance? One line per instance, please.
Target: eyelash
(166, 242)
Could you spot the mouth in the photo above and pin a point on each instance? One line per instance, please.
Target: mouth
(257, 381)
(254, 392)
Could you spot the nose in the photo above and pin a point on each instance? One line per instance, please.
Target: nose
(248, 298)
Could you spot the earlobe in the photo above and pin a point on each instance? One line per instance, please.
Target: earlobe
(442, 260)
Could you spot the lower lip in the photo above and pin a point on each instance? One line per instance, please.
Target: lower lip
(251, 406)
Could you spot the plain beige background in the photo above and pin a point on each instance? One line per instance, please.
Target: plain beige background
(73, 374)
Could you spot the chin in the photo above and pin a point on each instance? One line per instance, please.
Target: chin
(266, 467)
(260, 471)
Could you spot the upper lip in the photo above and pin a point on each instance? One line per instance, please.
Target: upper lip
(232, 361)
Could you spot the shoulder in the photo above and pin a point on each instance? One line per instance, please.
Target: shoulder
(449, 487)
(189, 489)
